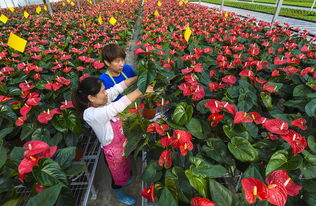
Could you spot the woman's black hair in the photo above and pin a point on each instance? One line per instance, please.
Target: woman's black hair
(88, 86)
(112, 51)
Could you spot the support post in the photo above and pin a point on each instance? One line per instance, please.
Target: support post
(49, 8)
(78, 3)
(313, 5)
(13, 3)
(277, 11)
(222, 5)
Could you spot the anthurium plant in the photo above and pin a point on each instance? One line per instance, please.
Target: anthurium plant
(35, 93)
(239, 128)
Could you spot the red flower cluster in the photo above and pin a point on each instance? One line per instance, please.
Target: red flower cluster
(149, 193)
(35, 150)
(279, 186)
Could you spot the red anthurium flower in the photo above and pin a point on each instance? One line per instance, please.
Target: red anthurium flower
(140, 51)
(297, 142)
(163, 103)
(7, 70)
(25, 109)
(20, 121)
(149, 194)
(228, 107)
(63, 81)
(280, 177)
(35, 147)
(182, 141)
(256, 117)
(160, 129)
(213, 105)
(198, 93)
(186, 89)
(199, 201)
(37, 57)
(165, 159)
(26, 166)
(66, 104)
(275, 73)
(247, 73)
(137, 109)
(276, 126)
(39, 188)
(214, 86)
(242, 117)
(167, 141)
(26, 86)
(277, 195)
(4, 98)
(305, 48)
(278, 61)
(307, 70)
(65, 57)
(84, 76)
(254, 51)
(33, 101)
(230, 79)
(272, 136)
(215, 118)
(300, 122)
(190, 78)
(37, 76)
(254, 188)
(98, 65)
(46, 116)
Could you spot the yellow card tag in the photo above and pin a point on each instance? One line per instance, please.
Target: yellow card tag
(26, 15)
(3, 18)
(45, 8)
(11, 9)
(187, 33)
(156, 13)
(16, 42)
(112, 20)
(63, 4)
(185, 2)
(72, 3)
(83, 23)
(180, 3)
(38, 9)
(159, 3)
(100, 20)
(68, 1)
(122, 1)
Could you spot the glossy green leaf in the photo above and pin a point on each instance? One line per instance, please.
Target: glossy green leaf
(253, 172)
(182, 114)
(7, 112)
(201, 108)
(267, 100)
(5, 132)
(13, 202)
(166, 198)
(132, 144)
(184, 188)
(47, 197)
(41, 134)
(221, 195)
(17, 153)
(199, 184)
(152, 172)
(277, 160)
(195, 128)
(218, 151)
(65, 156)
(311, 143)
(232, 132)
(3, 154)
(242, 150)
(144, 79)
(75, 168)
(310, 108)
(301, 91)
(27, 130)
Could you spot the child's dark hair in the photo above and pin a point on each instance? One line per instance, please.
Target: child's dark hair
(88, 86)
(112, 51)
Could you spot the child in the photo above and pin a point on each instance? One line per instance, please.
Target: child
(117, 71)
(100, 113)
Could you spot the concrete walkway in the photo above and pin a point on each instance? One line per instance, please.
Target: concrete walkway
(304, 25)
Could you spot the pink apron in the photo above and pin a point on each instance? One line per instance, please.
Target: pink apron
(119, 165)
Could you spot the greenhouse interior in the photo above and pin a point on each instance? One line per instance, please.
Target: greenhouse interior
(157, 102)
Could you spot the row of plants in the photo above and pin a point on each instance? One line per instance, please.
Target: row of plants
(239, 126)
(287, 12)
(35, 101)
(300, 3)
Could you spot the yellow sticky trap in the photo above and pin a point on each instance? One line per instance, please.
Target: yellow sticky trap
(45, 8)
(26, 15)
(38, 10)
(180, 3)
(72, 4)
(156, 13)
(187, 33)
(131, 1)
(185, 2)
(100, 20)
(122, 1)
(68, 1)
(11, 9)
(63, 4)
(3, 18)
(16, 42)
(226, 14)
(112, 20)
(159, 3)
(83, 23)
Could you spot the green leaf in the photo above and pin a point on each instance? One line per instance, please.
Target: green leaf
(65, 156)
(7, 112)
(242, 150)
(211, 171)
(253, 172)
(182, 114)
(195, 128)
(3, 155)
(200, 184)
(309, 192)
(144, 79)
(13, 202)
(309, 157)
(221, 195)
(49, 173)
(201, 108)
(132, 144)
(17, 153)
(267, 100)
(310, 108)
(311, 143)
(47, 197)
(75, 168)
(65, 198)
(232, 132)
(301, 91)
(152, 172)
(5, 131)
(27, 130)
(217, 150)
(184, 188)
(41, 134)
(277, 160)
(166, 198)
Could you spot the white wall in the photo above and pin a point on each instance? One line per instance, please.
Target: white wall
(5, 3)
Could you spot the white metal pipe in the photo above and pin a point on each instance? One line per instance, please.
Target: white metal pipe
(222, 5)
(277, 11)
(313, 5)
